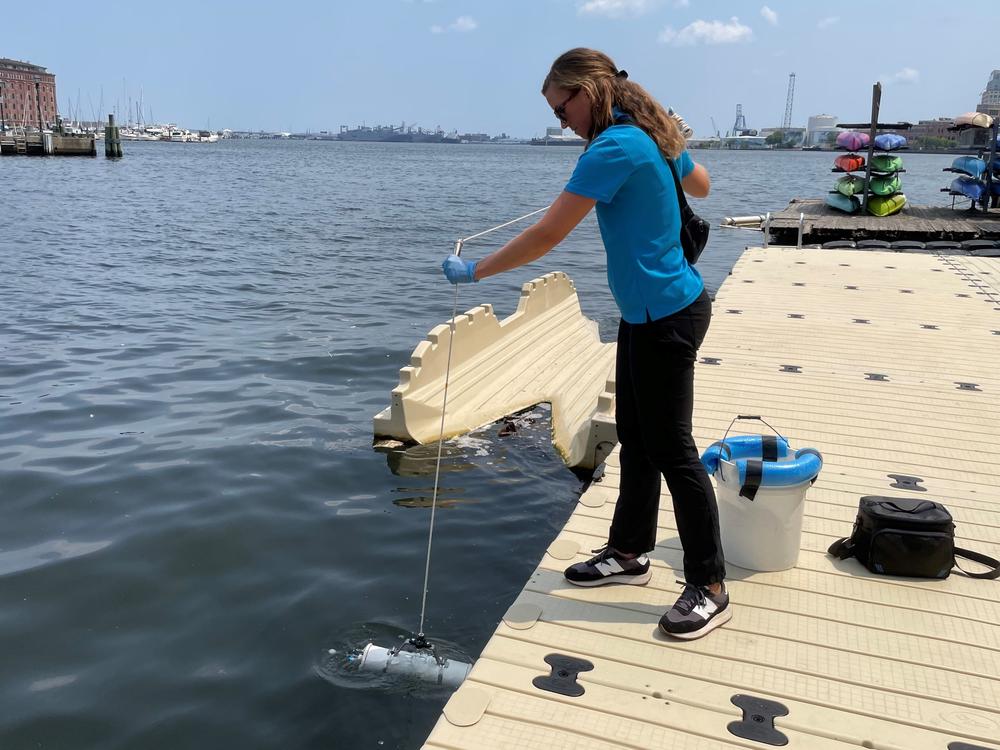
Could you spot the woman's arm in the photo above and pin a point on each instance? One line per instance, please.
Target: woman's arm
(565, 213)
(697, 183)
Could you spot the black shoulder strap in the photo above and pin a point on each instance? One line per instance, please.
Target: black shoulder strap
(978, 557)
(626, 119)
(842, 548)
(681, 198)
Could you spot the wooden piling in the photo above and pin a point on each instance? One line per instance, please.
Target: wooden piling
(112, 140)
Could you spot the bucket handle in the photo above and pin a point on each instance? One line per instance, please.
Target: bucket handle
(748, 417)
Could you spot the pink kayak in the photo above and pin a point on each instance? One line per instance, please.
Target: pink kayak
(852, 140)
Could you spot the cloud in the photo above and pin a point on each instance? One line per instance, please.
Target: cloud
(462, 23)
(707, 32)
(681, 3)
(827, 22)
(769, 15)
(904, 76)
(616, 8)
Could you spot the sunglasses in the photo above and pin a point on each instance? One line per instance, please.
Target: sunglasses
(560, 111)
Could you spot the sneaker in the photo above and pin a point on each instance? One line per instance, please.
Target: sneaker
(609, 567)
(697, 612)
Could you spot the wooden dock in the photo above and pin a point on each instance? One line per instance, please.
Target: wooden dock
(48, 144)
(887, 363)
(824, 224)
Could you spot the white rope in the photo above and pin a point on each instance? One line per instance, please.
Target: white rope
(505, 224)
(437, 467)
(444, 406)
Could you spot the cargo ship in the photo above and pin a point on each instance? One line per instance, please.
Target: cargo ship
(554, 137)
(393, 134)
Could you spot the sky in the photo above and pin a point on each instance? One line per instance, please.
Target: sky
(478, 66)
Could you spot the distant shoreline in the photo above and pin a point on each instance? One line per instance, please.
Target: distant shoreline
(952, 151)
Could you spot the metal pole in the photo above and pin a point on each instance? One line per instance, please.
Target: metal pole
(873, 127)
(990, 159)
(38, 104)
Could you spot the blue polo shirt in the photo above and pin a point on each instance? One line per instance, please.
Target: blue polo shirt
(637, 211)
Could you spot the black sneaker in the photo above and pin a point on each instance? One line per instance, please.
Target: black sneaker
(609, 567)
(696, 613)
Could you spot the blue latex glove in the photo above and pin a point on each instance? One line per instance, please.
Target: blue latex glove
(459, 271)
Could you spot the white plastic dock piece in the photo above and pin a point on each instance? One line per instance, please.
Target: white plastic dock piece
(547, 351)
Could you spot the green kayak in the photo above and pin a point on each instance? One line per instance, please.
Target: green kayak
(850, 185)
(885, 205)
(886, 163)
(884, 184)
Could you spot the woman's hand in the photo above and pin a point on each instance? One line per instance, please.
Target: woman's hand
(459, 271)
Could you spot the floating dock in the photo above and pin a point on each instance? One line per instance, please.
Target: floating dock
(824, 224)
(47, 144)
(888, 363)
(546, 351)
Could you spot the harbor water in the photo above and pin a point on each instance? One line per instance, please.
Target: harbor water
(193, 342)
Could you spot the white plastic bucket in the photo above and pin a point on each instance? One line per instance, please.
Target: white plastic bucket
(764, 533)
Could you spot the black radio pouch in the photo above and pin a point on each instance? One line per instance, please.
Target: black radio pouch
(904, 537)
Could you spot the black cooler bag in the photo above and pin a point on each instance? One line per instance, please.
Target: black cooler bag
(904, 537)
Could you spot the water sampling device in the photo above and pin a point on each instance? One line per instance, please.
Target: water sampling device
(416, 657)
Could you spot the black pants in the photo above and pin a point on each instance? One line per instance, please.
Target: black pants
(655, 399)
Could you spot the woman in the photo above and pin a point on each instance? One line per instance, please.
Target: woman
(665, 314)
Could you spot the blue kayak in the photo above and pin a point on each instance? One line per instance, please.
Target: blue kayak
(970, 188)
(970, 165)
(846, 203)
(889, 141)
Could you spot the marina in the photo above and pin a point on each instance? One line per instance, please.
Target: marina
(884, 361)
(234, 407)
(232, 384)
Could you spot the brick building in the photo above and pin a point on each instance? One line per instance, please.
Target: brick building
(936, 128)
(21, 97)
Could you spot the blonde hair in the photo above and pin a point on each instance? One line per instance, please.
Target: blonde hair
(597, 74)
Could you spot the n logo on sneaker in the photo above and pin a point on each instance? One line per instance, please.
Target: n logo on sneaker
(609, 567)
(706, 610)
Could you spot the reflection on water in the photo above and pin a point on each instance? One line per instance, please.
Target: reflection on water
(421, 460)
(46, 553)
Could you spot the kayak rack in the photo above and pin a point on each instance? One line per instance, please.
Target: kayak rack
(873, 127)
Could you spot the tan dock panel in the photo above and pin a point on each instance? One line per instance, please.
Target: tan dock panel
(546, 351)
(859, 660)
